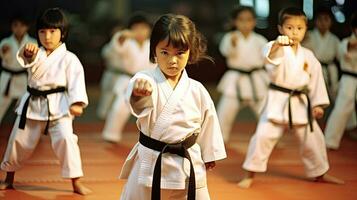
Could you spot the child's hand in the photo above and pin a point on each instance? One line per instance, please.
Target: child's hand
(318, 112)
(352, 44)
(124, 35)
(210, 165)
(142, 88)
(30, 51)
(234, 39)
(6, 48)
(284, 40)
(76, 109)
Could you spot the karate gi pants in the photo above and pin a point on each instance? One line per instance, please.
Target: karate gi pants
(312, 147)
(22, 144)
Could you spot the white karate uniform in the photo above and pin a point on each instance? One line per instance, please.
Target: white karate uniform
(60, 68)
(291, 71)
(234, 85)
(133, 58)
(169, 115)
(18, 82)
(344, 107)
(113, 64)
(325, 48)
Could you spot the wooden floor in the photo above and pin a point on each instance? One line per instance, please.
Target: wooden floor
(40, 178)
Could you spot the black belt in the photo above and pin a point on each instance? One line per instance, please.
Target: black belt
(295, 93)
(252, 83)
(348, 73)
(38, 93)
(180, 149)
(329, 78)
(13, 73)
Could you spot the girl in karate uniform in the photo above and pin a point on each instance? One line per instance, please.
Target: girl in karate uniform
(245, 83)
(297, 94)
(180, 136)
(13, 78)
(131, 49)
(56, 93)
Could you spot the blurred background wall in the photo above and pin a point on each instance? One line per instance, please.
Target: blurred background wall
(92, 23)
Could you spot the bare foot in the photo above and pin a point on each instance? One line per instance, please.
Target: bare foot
(111, 140)
(331, 147)
(79, 188)
(6, 186)
(9, 181)
(329, 179)
(245, 183)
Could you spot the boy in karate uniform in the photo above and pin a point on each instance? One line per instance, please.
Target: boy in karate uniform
(297, 94)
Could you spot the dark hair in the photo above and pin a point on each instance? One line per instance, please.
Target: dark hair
(353, 22)
(238, 10)
(52, 18)
(181, 33)
(289, 12)
(138, 18)
(20, 17)
(323, 11)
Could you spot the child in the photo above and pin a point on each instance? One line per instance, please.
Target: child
(296, 96)
(246, 81)
(55, 93)
(346, 97)
(132, 48)
(13, 78)
(324, 44)
(110, 75)
(176, 119)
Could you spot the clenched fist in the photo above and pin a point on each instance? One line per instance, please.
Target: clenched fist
(30, 50)
(142, 88)
(6, 48)
(352, 44)
(210, 165)
(284, 40)
(234, 39)
(124, 35)
(317, 112)
(76, 109)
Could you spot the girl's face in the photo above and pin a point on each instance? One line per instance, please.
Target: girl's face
(50, 38)
(171, 60)
(245, 22)
(294, 27)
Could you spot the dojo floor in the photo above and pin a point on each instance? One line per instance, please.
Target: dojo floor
(40, 178)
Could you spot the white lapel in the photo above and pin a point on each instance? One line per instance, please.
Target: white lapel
(174, 98)
(14, 45)
(300, 58)
(46, 62)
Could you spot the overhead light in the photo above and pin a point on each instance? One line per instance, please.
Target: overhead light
(339, 16)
